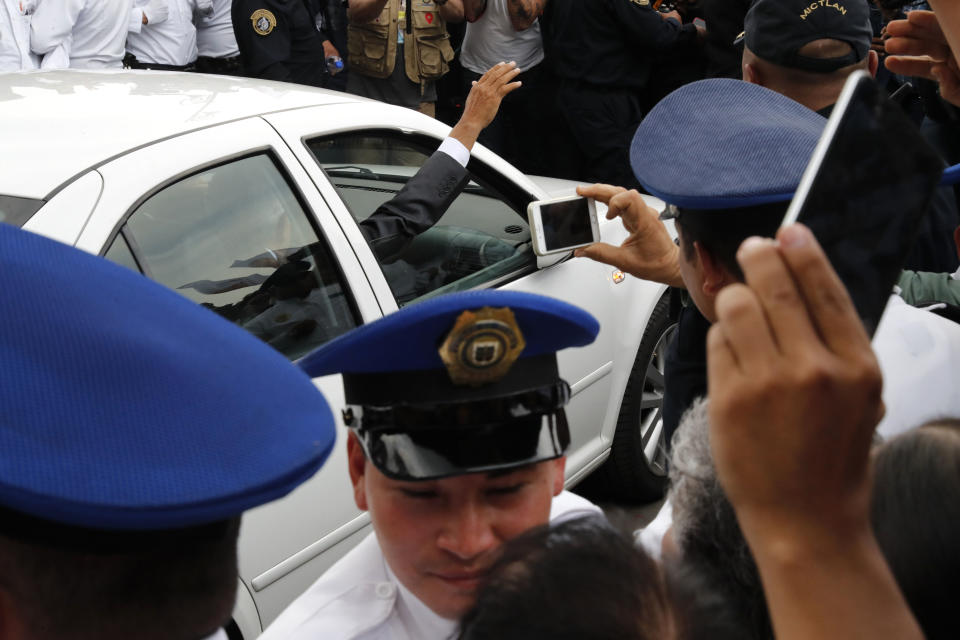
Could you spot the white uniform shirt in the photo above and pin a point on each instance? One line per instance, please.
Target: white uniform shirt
(90, 32)
(15, 54)
(359, 598)
(215, 37)
(492, 39)
(172, 41)
(919, 354)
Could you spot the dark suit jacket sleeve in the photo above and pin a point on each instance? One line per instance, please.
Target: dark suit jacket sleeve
(416, 208)
(648, 29)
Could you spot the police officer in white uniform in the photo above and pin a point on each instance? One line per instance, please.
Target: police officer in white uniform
(216, 44)
(166, 40)
(88, 33)
(15, 54)
(456, 444)
(118, 518)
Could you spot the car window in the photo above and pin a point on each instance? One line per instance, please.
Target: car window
(482, 238)
(16, 211)
(235, 239)
(120, 253)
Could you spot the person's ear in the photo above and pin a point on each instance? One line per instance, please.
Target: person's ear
(715, 276)
(751, 74)
(560, 465)
(357, 465)
(873, 63)
(956, 240)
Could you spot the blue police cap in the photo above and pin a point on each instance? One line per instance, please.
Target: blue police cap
(462, 383)
(124, 406)
(722, 143)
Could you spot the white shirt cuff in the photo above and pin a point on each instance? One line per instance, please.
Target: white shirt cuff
(455, 149)
(651, 536)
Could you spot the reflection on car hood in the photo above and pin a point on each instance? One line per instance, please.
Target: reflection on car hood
(66, 122)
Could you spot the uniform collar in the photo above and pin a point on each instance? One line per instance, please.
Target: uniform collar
(419, 620)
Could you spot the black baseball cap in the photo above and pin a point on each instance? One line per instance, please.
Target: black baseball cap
(776, 30)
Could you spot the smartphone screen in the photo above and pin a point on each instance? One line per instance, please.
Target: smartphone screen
(869, 193)
(566, 224)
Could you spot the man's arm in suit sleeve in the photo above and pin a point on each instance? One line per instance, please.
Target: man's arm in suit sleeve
(416, 208)
(428, 194)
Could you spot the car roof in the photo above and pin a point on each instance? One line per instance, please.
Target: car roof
(55, 125)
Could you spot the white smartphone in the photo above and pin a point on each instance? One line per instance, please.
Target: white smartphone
(865, 191)
(562, 224)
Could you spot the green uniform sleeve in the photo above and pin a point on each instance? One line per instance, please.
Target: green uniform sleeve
(923, 287)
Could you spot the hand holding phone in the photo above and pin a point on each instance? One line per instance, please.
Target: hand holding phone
(562, 224)
(865, 191)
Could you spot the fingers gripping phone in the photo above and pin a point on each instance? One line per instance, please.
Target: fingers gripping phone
(562, 224)
(865, 192)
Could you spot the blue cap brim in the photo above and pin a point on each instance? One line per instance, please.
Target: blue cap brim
(408, 340)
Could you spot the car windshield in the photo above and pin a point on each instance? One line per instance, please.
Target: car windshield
(17, 211)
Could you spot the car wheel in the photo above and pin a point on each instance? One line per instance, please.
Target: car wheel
(637, 468)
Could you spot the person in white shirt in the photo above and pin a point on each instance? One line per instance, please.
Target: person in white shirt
(162, 34)
(452, 450)
(90, 34)
(510, 30)
(216, 44)
(15, 54)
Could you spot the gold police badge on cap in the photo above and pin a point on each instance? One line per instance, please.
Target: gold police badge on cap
(263, 21)
(482, 346)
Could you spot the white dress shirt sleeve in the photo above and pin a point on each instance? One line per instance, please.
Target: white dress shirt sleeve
(157, 11)
(136, 17)
(52, 24)
(455, 149)
(59, 58)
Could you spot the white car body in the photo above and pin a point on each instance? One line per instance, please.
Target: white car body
(95, 145)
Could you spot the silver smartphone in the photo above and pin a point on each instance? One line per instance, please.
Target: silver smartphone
(562, 224)
(865, 191)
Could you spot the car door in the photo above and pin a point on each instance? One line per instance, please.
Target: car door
(227, 217)
(359, 155)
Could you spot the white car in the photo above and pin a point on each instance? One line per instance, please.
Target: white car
(213, 185)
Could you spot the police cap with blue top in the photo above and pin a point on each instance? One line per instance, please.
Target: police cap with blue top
(128, 408)
(462, 383)
(724, 144)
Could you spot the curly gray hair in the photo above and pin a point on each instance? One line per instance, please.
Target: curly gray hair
(705, 525)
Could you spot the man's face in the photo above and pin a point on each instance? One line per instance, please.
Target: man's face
(440, 536)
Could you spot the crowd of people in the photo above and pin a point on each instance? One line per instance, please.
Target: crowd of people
(812, 466)
(112, 34)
